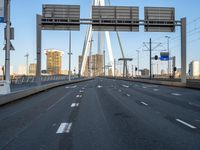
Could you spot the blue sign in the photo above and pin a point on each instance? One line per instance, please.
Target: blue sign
(164, 58)
(1, 19)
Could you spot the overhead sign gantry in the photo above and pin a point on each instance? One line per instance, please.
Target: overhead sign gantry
(111, 18)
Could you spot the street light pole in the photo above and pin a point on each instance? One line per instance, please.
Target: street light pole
(138, 60)
(104, 62)
(169, 70)
(27, 70)
(70, 53)
(7, 51)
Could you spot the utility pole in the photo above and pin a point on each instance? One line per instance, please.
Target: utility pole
(150, 56)
(70, 53)
(114, 67)
(138, 60)
(104, 62)
(7, 51)
(169, 70)
(27, 70)
(132, 71)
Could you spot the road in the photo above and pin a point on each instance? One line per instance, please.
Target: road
(103, 114)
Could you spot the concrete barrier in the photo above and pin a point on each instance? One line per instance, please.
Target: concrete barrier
(4, 99)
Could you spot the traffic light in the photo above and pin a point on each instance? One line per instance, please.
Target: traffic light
(156, 57)
(136, 68)
(175, 69)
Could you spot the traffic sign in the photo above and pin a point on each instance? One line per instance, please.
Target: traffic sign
(115, 18)
(60, 17)
(159, 19)
(164, 56)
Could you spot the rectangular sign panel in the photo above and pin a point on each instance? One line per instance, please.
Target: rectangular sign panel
(159, 19)
(1, 11)
(61, 17)
(164, 56)
(115, 18)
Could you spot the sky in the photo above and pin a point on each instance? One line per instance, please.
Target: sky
(23, 18)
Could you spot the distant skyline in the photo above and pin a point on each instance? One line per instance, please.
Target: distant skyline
(23, 15)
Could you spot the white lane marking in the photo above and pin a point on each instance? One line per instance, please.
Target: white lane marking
(74, 86)
(126, 86)
(74, 104)
(193, 104)
(185, 123)
(144, 103)
(77, 96)
(64, 128)
(67, 87)
(128, 95)
(155, 90)
(144, 87)
(176, 94)
(69, 128)
(99, 86)
(62, 98)
(81, 91)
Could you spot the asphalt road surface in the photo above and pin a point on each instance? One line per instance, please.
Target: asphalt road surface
(103, 114)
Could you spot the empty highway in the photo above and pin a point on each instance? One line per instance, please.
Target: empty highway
(103, 114)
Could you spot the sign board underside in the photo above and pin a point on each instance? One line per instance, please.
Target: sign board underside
(159, 19)
(61, 17)
(115, 18)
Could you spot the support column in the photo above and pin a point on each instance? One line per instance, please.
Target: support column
(183, 50)
(38, 48)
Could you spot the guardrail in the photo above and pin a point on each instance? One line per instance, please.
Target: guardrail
(4, 99)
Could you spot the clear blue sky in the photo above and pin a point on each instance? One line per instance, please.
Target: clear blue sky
(23, 20)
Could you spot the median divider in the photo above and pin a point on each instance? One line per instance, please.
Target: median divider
(4, 99)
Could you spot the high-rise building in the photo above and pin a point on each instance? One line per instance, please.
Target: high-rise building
(54, 61)
(194, 69)
(32, 69)
(21, 69)
(94, 65)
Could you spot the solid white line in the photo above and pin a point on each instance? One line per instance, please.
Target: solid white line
(62, 127)
(185, 123)
(144, 103)
(126, 86)
(176, 94)
(56, 102)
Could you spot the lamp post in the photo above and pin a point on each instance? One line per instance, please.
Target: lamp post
(169, 70)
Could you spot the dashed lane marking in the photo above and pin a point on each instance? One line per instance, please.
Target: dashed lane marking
(144, 103)
(126, 86)
(64, 128)
(74, 104)
(186, 124)
(175, 94)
